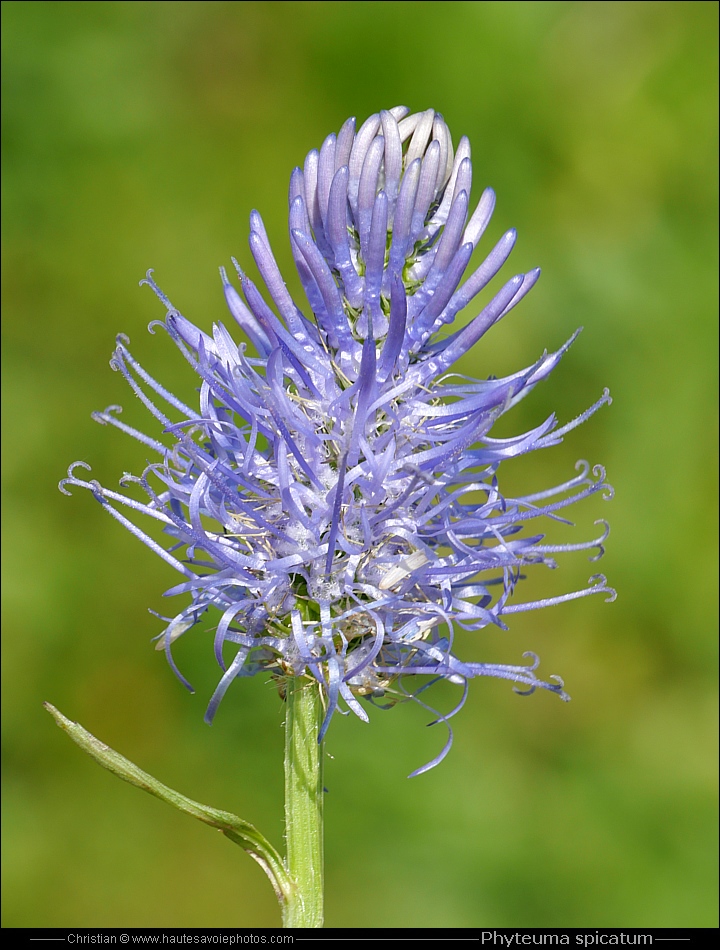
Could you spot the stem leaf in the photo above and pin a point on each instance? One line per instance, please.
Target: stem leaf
(240, 832)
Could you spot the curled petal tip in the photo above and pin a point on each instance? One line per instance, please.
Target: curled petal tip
(102, 417)
(560, 690)
(71, 477)
(599, 542)
(598, 583)
(524, 692)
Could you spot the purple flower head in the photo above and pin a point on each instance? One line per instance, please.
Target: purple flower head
(335, 496)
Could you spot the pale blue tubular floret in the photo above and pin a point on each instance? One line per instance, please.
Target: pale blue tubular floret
(334, 498)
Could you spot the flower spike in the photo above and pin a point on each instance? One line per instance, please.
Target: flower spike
(334, 498)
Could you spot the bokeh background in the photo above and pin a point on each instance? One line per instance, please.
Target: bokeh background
(142, 134)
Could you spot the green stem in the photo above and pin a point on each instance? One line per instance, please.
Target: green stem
(304, 804)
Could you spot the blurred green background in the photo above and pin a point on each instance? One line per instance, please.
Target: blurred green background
(142, 134)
